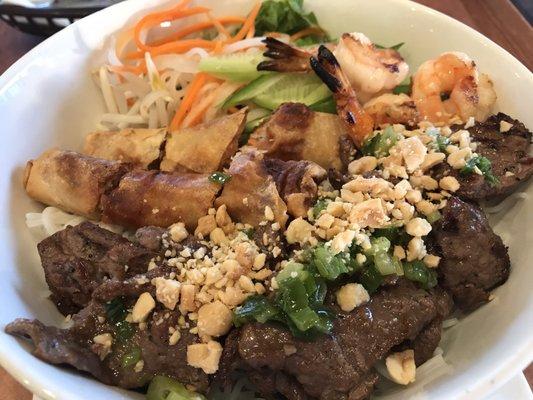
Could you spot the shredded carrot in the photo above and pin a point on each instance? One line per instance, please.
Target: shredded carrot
(179, 46)
(220, 28)
(200, 26)
(191, 93)
(251, 33)
(135, 69)
(155, 19)
(312, 30)
(195, 115)
(248, 24)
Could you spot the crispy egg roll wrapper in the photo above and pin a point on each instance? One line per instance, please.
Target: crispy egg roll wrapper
(159, 198)
(140, 147)
(250, 190)
(294, 132)
(71, 181)
(206, 147)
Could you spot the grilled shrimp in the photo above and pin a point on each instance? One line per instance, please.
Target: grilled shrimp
(359, 123)
(392, 109)
(368, 69)
(451, 86)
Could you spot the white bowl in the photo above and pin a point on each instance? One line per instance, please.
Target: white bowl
(48, 99)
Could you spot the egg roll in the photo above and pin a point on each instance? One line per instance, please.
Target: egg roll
(204, 148)
(295, 132)
(140, 147)
(71, 181)
(250, 190)
(297, 183)
(158, 198)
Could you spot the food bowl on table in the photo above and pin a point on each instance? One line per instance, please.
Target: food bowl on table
(49, 99)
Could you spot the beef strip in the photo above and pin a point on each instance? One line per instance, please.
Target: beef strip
(334, 366)
(75, 346)
(296, 182)
(474, 259)
(508, 153)
(150, 237)
(78, 259)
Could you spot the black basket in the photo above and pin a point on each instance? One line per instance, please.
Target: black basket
(45, 21)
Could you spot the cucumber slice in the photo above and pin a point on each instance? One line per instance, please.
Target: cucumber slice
(238, 67)
(296, 88)
(253, 89)
(327, 105)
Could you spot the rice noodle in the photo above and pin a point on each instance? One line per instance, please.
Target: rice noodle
(119, 118)
(52, 220)
(197, 51)
(150, 99)
(245, 44)
(176, 62)
(106, 91)
(426, 373)
(448, 323)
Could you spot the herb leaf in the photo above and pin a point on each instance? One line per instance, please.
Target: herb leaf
(395, 47)
(404, 87)
(484, 165)
(285, 16)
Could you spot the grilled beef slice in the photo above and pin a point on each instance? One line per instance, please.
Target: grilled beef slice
(338, 366)
(508, 153)
(75, 346)
(474, 259)
(77, 259)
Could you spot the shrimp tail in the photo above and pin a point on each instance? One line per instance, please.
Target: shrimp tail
(360, 124)
(283, 57)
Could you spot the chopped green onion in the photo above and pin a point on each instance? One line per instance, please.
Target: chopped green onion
(116, 313)
(381, 143)
(378, 245)
(484, 165)
(255, 308)
(330, 266)
(163, 388)
(249, 232)
(319, 206)
(434, 216)
(417, 271)
(441, 141)
(219, 178)
(371, 279)
(131, 357)
(292, 270)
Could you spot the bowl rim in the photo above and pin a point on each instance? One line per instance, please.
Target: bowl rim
(507, 369)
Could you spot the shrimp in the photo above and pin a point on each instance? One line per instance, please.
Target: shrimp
(284, 57)
(450, 86)
(369, 70)
(392, 109)
(359, 123)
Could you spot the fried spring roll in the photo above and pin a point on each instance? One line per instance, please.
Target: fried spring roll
(140, 147)
(157, 198)
(71, 181)
(294, 132)
(250, 190)
(204, 148)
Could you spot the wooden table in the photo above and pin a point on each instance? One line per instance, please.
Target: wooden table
(497, 19)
